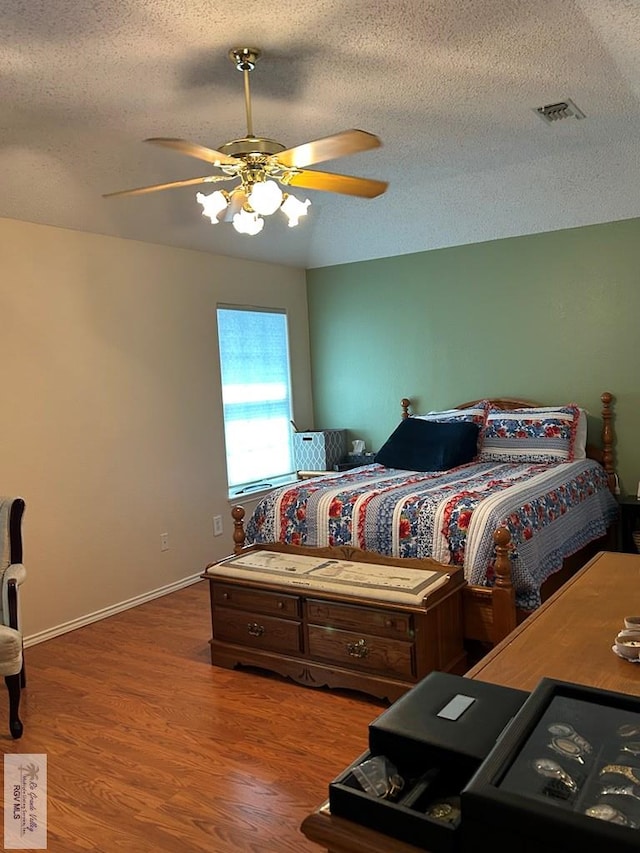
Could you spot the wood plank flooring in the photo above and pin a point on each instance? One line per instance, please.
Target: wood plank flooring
(150, 748)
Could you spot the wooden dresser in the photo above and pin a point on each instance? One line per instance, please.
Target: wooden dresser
(334, 639)
(569, 638)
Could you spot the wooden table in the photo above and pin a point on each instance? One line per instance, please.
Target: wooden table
(569, 638)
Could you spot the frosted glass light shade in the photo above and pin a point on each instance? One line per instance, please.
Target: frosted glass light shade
(212, 204)
(265, 197)
(246, 211)
(248, 223)
(237, 200)
(294, 209)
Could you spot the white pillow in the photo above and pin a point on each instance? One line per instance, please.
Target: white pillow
(580, 446)
(476, 414)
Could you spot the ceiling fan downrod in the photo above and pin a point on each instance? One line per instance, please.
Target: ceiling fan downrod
(244, 59)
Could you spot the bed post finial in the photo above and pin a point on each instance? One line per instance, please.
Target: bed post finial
(405, 403)
(608, 439)
(502, 539)
(237, 513)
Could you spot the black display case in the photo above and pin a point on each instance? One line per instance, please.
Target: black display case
(402, 818)
(564, 778)
(423, 724)
(435, 736)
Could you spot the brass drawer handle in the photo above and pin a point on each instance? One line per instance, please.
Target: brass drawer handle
(358, 650)
(255, 630)
(226, 596)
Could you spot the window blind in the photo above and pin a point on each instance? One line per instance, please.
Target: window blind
(256, 394)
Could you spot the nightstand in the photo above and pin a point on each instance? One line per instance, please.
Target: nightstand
(354, 460)
(629, 521)
(351, 460)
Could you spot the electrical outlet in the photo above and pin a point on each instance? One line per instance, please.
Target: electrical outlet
(164, 541)
(217, 525)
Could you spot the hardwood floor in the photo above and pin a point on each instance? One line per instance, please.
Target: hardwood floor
(150, 748)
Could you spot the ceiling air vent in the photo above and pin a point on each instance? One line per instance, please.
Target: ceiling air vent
(555, 112)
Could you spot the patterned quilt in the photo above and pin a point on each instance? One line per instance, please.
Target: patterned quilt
(551, 510)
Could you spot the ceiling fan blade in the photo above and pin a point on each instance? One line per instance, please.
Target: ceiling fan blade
(328, 148)
(192, 149)
(189, 182)
(347, 184)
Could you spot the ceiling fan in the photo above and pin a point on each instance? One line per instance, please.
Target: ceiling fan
(263, 165)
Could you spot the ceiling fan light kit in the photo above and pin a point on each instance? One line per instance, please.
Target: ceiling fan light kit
(263, 166)
(262, 199)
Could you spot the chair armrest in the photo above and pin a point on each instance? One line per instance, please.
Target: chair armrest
(15, 575)
(17, 572)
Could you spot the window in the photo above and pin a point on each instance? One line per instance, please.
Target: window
(256, 395)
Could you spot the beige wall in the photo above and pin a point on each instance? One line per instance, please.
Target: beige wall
(111, 409)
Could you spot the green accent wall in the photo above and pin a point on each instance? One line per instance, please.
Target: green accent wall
(551, 317)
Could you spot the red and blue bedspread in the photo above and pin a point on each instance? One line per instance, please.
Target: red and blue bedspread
(551, 510)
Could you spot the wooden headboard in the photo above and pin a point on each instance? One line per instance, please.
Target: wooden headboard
(603, 454)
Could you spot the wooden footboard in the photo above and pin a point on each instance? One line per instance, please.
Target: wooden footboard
(489, 613)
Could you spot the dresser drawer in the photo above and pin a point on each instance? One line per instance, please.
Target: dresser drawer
(387, 623)
(362, 651)
(255, 630)
(256, 600)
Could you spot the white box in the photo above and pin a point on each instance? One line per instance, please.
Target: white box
(319, 450)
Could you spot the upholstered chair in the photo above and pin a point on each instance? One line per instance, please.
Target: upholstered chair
(12, 575)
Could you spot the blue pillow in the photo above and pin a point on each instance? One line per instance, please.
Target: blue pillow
(417, 445)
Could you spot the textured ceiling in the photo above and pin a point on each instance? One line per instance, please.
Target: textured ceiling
(449, 87)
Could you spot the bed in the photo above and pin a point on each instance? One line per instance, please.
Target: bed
(529, 482)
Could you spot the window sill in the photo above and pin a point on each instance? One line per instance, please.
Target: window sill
(247, 493)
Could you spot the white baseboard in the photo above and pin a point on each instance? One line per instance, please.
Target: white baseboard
(57, 630)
